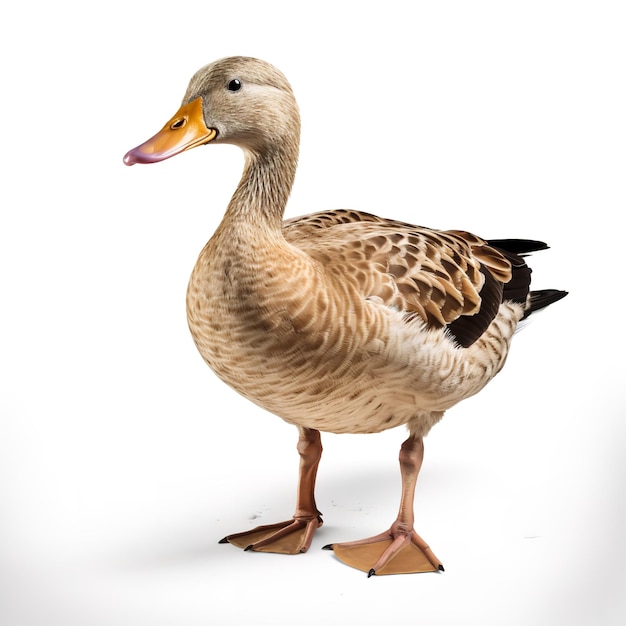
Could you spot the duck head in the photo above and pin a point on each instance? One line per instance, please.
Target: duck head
(238, 100)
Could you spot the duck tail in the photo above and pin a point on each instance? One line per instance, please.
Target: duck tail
(542, 298)
(518, 288)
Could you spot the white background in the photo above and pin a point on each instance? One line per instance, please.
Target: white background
(123, 459)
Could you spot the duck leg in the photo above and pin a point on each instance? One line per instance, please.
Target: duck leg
(295, 535)
(399, 550)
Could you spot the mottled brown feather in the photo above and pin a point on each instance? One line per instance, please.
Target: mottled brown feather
(450, 279)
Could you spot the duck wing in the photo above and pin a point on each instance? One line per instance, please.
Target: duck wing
(449, 280)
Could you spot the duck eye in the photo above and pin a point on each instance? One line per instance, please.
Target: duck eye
(234, 85)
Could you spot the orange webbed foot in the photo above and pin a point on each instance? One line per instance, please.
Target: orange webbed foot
(293, 536)
(388, 553)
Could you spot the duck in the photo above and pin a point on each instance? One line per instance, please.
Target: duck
(339, 321)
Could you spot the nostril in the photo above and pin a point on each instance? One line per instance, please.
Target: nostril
(179, 123)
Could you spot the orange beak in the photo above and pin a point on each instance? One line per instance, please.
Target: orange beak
(184, 131)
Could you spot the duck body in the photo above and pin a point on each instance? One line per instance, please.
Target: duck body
(337, 321)
(311, 326)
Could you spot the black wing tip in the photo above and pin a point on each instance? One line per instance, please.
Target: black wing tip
(519, 246)
(543, 298)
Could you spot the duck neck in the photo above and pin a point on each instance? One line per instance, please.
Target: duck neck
(258, 204)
